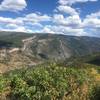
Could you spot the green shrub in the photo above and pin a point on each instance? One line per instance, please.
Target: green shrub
(95, 93)
(46, 82)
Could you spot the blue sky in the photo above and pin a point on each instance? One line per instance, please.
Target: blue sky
(70, 17)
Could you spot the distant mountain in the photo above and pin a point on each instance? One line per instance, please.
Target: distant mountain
(12, 39)
(18, 50)
(62, 46)
(50, 46)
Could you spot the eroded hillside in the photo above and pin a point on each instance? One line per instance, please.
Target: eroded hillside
(22, 49)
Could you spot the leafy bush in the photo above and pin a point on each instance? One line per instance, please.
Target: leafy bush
(95, 93)
(47, 82)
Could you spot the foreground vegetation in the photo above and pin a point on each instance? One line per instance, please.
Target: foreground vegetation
(52, 82)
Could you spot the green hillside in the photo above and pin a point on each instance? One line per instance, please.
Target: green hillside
(12, 39)
(52, 81)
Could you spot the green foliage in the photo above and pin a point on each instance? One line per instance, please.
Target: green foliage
(95, 93)
(45, 82)
(12, 39)
(3, 83)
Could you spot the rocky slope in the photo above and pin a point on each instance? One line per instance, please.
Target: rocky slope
(22, 49)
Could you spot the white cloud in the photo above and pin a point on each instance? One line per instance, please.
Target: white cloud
(36, 24)
(13, 5)
(47, 30)
(67, 9)
(70, 2)
(92, 20)
(94, 15)
(26, 23)
(4, 20)
(20, 29)
(72, 21)
(92, 23)
(34, 17)
(11, 26)
(29, 19)
(64, 30)
(17, 29)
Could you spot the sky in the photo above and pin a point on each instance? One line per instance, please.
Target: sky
(68, 17)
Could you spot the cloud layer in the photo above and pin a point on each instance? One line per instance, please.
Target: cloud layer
(64, 20)
(13, 5)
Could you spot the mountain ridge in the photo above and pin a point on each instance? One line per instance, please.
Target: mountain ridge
(38, 48)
